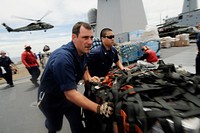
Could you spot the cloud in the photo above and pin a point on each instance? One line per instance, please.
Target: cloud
(62, 11)
(157, 10)
(63, 14)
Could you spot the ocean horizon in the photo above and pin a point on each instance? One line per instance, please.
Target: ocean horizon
(16, 59)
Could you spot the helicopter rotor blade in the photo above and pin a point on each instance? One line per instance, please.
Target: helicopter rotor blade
(37, 20)
(26, 18)
(44, 15)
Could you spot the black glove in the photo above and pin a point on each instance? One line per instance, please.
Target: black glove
(105, 109)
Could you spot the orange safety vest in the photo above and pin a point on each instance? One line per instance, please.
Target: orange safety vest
(29, 59)
(152, 56)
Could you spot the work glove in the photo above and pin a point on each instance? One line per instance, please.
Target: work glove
(94, 79)
(105, 109)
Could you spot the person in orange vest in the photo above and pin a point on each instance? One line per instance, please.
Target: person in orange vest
(149, 55)
(29, 59)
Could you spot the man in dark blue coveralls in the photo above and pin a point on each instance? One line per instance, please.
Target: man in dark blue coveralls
(6, 62)
(58, 95)
(101, 58)
(100, 61)
(198, 53)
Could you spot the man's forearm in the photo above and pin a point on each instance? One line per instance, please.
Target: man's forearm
(80, 100)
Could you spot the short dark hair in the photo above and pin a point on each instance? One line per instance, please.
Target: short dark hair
(77, 26)
(104, 31)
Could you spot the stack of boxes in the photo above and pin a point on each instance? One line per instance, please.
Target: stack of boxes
(166, 42)
(182, 40)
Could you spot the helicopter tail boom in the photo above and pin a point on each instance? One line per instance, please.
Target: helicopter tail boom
(9, 29)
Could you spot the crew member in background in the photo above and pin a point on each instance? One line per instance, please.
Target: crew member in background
(149, 55)
(6, 63)
(28, 58)
(44, 57)
(197, 61)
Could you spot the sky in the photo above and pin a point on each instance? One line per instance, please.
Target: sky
(62, 14)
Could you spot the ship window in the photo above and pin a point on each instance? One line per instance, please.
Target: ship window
(180, 17)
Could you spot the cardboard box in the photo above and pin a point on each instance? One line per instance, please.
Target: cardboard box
(181, 43)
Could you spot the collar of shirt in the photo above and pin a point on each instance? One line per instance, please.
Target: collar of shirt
(73, 50)
(105, 51)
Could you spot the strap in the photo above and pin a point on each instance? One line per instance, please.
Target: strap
(165, 125)
(164, 104)
(150, 104)
(178, 128)
(192, 98)
(131, 115)
(118, 117)
(133, 111)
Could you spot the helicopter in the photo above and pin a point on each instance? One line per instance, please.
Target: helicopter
(37, 25)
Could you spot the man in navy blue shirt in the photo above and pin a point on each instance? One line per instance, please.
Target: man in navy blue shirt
(101, 58)
(58, 95)
(198, 53)
(100, 61)
(6, 62)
